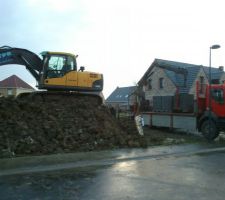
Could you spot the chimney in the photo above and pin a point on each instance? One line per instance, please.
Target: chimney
(221, 68)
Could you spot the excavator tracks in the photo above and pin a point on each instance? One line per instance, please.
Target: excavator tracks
(95, 99)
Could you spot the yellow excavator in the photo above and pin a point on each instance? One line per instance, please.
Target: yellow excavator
(55, 71)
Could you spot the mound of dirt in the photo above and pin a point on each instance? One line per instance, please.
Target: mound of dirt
(56, 124)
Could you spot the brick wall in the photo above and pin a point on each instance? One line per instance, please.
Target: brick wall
(168, 88)
(201, 73)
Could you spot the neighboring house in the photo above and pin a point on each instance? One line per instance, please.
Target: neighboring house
(167, 78)
(122, 98)
(13, 85)
(217, 74)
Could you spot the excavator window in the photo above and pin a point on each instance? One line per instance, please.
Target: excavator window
(59, 65)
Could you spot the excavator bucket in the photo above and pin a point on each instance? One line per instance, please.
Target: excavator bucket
(20, 56)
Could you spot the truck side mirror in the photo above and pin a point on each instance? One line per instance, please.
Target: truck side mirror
(82, 68)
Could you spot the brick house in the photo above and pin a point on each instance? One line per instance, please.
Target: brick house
(122, 98)
(13, 85)
(167, 78)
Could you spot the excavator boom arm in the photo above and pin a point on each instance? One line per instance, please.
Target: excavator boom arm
(33, 63)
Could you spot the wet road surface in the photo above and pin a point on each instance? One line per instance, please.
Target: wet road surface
(180, 172)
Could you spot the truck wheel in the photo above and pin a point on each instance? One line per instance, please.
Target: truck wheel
(209, 130)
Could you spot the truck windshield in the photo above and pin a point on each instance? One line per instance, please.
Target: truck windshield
(218, 95)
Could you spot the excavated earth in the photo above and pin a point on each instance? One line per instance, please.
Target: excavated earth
(37, 125)
(56, 124)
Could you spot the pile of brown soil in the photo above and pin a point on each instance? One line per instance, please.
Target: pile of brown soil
(56, 124)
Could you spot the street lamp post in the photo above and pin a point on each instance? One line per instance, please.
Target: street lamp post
(216, 46)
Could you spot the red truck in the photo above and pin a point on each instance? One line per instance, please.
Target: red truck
(208, 116)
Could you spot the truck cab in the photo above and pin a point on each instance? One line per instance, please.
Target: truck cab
(211, 116)
(216, 103)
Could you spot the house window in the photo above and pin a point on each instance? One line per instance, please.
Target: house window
(150, 84)
(9, 92)
(161, 83)
(201, 84)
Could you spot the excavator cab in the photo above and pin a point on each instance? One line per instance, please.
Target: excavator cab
(60, 73)
(58, 64)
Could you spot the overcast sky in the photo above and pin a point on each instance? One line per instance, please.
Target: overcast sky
(119, 38)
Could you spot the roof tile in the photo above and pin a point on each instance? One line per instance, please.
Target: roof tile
(120, 94)
(14, 82)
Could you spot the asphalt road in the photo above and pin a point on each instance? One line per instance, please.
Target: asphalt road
(163, 173)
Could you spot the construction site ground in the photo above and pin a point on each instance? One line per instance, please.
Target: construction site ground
(66, 124)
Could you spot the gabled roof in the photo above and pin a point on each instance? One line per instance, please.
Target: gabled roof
(14, 82)
(181, 74)
(216, 73)
(121, 94)
(184, 83)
